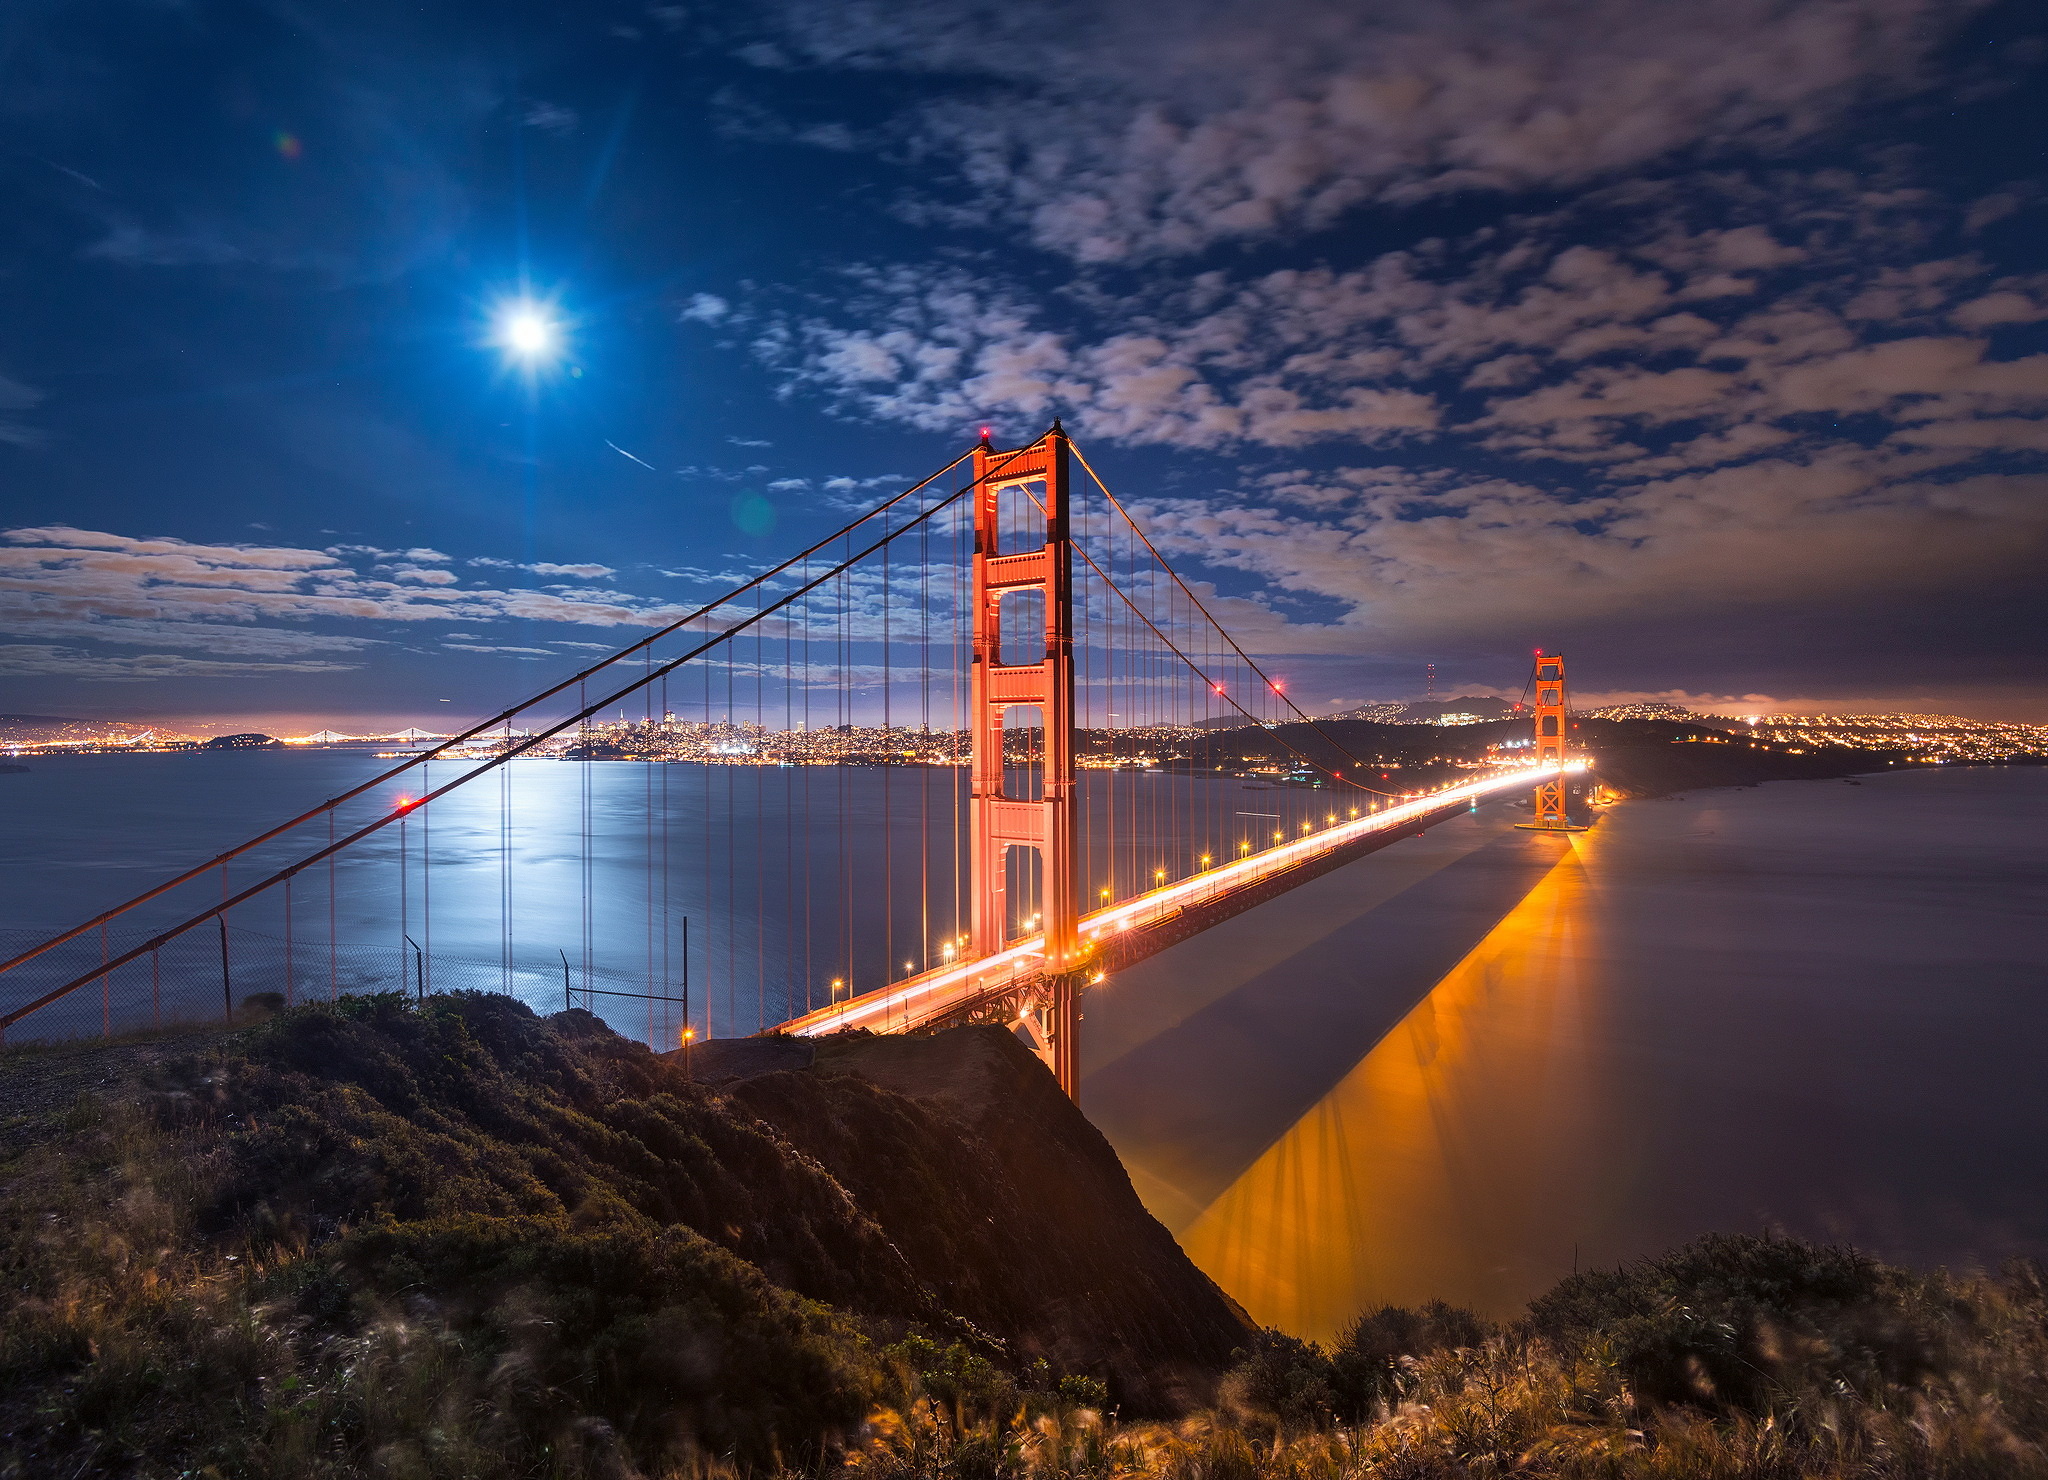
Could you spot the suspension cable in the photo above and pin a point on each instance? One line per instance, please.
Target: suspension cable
(505, 718)
(510, 752)
(1220, 690)
(1188, 591)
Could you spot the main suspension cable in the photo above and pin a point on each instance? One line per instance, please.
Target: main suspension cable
(505, 718)
(510, 752)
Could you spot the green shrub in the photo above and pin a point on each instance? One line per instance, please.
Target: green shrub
(1731, 1320)
(1379, 1348)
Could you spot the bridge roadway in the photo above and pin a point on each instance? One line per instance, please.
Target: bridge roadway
(1122, 933)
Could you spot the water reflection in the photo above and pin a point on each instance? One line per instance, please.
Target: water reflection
(1809, 1006)
(1402, 1183)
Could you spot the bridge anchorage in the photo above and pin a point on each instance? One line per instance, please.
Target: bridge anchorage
(963, 759)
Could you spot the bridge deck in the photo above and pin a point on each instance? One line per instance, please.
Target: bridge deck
(1132, 929)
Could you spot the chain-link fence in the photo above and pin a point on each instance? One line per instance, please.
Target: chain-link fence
(227, 974)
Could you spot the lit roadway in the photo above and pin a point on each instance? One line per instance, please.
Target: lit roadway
(935, 995)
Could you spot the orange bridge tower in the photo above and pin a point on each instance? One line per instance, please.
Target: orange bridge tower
(1023, 565)
(1552, 742)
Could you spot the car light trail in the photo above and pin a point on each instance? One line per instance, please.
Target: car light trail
(943, 990)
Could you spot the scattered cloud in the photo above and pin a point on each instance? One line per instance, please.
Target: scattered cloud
(72, 585)
(15, 398)
(1524, 341)
(709, 308)
(550, 118)
(1107, 136)
(29, 660)
(588, 572)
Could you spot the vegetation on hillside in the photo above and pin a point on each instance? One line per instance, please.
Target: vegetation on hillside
(456, 1240)
(1757, 1358)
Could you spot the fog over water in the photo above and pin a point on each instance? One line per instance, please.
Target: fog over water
(1450, 1069)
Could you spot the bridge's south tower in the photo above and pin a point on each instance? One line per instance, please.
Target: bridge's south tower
(1023, 592)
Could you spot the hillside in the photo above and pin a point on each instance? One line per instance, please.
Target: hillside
(325, 1236)
(460, 1242)
(1635, 757)
(1653, 770)
(967, 1122)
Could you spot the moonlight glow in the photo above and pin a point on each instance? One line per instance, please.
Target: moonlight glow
(528, 331)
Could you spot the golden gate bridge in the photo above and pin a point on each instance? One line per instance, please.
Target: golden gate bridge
(1077, 806)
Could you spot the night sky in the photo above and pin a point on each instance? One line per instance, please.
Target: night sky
(1703, 341)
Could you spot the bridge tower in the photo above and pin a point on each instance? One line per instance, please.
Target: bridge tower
(1552, 742)
(1022, 548)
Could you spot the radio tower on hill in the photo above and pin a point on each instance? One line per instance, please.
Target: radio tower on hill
(1430, 696)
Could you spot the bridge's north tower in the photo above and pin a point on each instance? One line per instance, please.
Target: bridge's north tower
(1023, 556)
(1553, 728)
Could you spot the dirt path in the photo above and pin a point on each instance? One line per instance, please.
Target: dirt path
(40, 1082)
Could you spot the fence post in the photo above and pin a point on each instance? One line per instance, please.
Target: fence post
(227, 993)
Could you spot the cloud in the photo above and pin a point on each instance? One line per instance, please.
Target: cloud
(1523, 340)
(415, 556)
(71, 585)
(28, 660)
(550, 118)
(709, 308)
(1413, 561)
(1739, 392)
(17, 397)
(586, 571)
(945, 351)
(1108, 136)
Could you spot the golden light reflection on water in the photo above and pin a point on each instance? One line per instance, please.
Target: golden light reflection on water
(1463, 1133)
